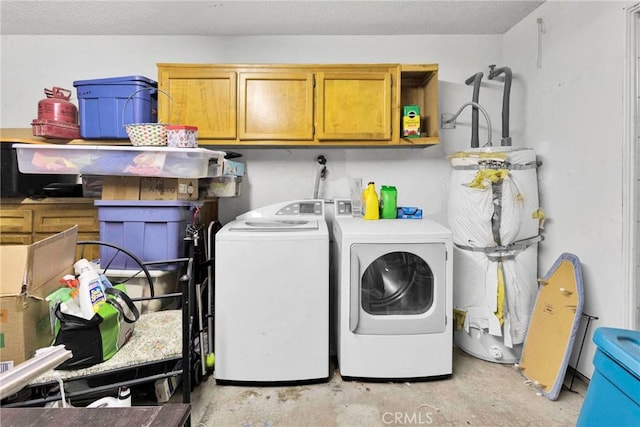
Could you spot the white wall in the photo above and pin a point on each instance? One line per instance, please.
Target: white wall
(274, 175)
(573, 118)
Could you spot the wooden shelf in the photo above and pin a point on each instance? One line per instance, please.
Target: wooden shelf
(432, 140)
(25, 136)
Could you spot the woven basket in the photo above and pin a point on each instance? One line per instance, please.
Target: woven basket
(150, 134)
(145, 134)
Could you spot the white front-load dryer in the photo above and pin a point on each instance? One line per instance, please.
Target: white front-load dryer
(393, 298)
(272, 295)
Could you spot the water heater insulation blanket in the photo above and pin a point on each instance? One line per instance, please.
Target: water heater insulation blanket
(493, 203)
(476, 291)
(476, 206)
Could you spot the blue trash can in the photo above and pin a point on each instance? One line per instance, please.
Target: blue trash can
(613, 395)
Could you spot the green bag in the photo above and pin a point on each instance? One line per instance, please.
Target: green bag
(96, 340)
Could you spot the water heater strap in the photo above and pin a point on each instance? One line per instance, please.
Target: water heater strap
(501, 251)
(496, 165)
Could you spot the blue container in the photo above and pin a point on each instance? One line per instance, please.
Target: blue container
(101, 105)
(613, 396)
(153, 230)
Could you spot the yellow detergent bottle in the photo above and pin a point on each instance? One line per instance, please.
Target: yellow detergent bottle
(370, 202)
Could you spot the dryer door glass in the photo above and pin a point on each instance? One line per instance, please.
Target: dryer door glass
(397, 288)
(397, 283)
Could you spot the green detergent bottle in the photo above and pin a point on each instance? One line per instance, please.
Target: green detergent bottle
(388, 202)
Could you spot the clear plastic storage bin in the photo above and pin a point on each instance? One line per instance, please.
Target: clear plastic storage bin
(222, 186)
(162, 162)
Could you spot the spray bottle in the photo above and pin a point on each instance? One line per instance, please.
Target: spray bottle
(370, 202)
(82, 266)
(90, 294)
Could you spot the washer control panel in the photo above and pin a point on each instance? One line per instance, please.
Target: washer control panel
(302, 208)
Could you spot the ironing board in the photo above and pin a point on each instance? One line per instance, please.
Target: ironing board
(553, 326)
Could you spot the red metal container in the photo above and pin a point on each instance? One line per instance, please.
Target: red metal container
(57, 107)
(54, 129)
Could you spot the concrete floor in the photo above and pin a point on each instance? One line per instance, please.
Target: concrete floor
(479, 393)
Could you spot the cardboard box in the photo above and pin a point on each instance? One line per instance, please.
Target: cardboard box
(28, 273)
(168, 189)
(121, 188)
(166, 387)
(411, 121)
(149, 188)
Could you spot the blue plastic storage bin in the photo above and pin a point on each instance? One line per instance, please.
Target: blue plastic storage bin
(102, 105)
(613, 395)
(153, 230)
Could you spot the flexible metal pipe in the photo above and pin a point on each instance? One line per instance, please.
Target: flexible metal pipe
(495, 72)
(484, 112)
(475, 79)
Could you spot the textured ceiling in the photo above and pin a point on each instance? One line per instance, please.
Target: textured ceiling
(273, 17)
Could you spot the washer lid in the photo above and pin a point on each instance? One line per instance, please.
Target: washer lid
(275, 225)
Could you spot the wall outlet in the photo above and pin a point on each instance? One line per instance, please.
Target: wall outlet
(443, 118)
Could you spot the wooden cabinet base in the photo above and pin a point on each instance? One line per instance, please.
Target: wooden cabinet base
(24, 221)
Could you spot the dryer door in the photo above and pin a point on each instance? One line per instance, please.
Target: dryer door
(397, 288)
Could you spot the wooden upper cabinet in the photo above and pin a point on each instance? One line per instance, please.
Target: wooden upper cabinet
(276, 106)
(419, 86)
(200, 96)
(354, 106)
(337, 105)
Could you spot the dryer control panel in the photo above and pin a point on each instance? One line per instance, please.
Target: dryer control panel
(343, 208)
(302, 208)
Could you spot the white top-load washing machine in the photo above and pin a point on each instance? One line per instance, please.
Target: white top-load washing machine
(393, 296)
(272, 295)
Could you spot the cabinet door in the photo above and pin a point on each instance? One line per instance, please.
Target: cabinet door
(354, 106)
(201, 97)
(56, 220)
(15, 239)
(276, 105)
(16, 221)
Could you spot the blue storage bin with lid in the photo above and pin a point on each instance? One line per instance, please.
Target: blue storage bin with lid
(613, 395)
(153, 230)
(106, 105)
